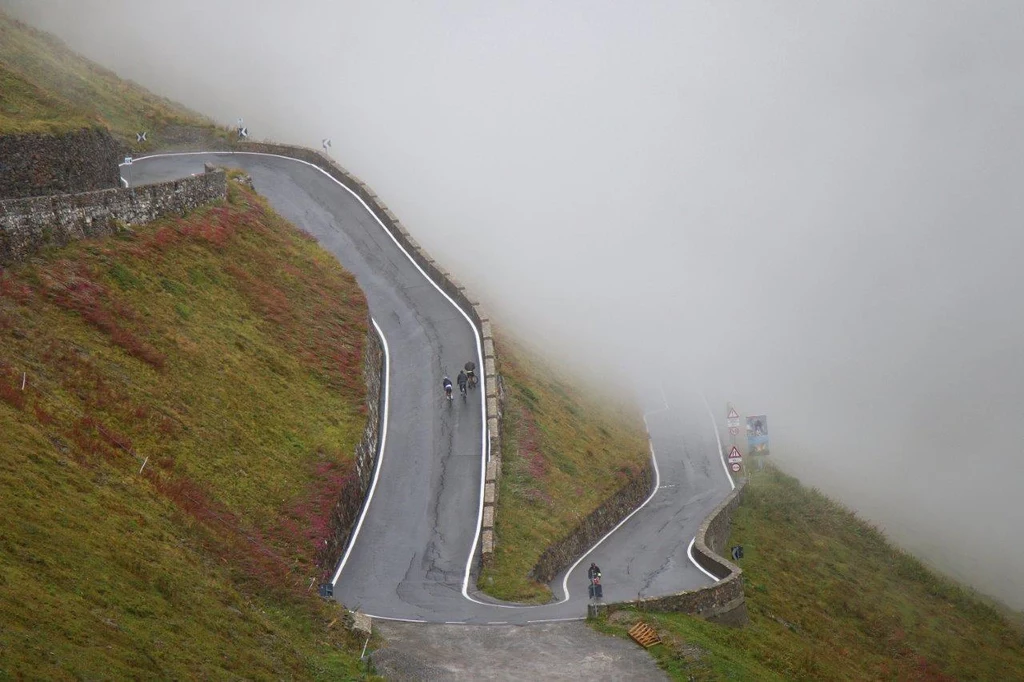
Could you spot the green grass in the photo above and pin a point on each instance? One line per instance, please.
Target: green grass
(831, 599)
(225, 350)
(47, 88)
(566, 448)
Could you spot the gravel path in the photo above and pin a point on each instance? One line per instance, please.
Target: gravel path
(551, 651)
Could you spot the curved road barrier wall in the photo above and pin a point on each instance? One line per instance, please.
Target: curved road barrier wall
(80, 161)
(353, 495)
(594, 526)
(724, 601)
(451, 286)
(26, 225)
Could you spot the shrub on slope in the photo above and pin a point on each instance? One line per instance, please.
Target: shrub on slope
(831, 599)
(225, 351)
(566, 448)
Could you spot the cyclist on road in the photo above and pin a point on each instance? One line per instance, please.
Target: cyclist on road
(594, 573)
(462, 379)
(447, 383)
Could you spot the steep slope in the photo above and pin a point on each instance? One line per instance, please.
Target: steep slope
(831, 599)
(179, 408)
(566, 447)
(47, 88)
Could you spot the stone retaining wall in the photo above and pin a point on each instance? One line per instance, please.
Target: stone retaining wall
(724, 601)
(352, 498)
(594, 526)
(451, 286)
(27, 225)
(80, 161)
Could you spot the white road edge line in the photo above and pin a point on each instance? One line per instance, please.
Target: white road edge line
(554, 620)
(476, 333)
(689, 553)
(398, 620)
(657, 483)
(718, 438)
(721, 455)
(565, 580)
(380, 455)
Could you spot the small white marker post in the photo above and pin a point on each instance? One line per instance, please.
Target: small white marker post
(143, 464)
(24, 377)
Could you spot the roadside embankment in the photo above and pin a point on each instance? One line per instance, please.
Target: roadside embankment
(830, 598)
(27, 225)
(352, 497)
(40, 164)
(180, 407)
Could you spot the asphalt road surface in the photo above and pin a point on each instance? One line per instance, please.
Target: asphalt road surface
(410, 559)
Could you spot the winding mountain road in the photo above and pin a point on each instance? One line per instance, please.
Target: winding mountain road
(416, 545)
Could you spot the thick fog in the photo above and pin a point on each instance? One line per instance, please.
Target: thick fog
(811, 209)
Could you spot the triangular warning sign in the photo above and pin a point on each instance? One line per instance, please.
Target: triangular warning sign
(734, 454)
(733, 414)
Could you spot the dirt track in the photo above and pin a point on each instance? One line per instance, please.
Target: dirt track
(553, 651)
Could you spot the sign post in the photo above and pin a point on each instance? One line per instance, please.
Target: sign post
(732, 419)
(735, 459)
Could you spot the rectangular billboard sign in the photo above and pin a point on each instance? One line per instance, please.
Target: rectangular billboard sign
(757, 435)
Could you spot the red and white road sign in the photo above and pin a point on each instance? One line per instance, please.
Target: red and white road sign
(734, 430)
(736, 466)
(734, 456)
(733, 419)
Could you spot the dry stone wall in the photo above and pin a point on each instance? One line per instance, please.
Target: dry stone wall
(451, 286)
(594, 526)
(26, 225)
(352, 497)
(80, 161)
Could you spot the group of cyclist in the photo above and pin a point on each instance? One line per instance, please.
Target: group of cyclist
(466, 379)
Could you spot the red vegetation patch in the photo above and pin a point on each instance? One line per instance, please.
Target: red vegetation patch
(311, 315)
(73, 287)
(10, 388)
(87, 436)
(305, 526)
(253, 562)
(14, 289)
(42, 416)
(214, 227)
(529, 447)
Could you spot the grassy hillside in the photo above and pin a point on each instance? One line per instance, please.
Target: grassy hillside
(566, 447)
(47, 88)
(224, 350)
(831, 599)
